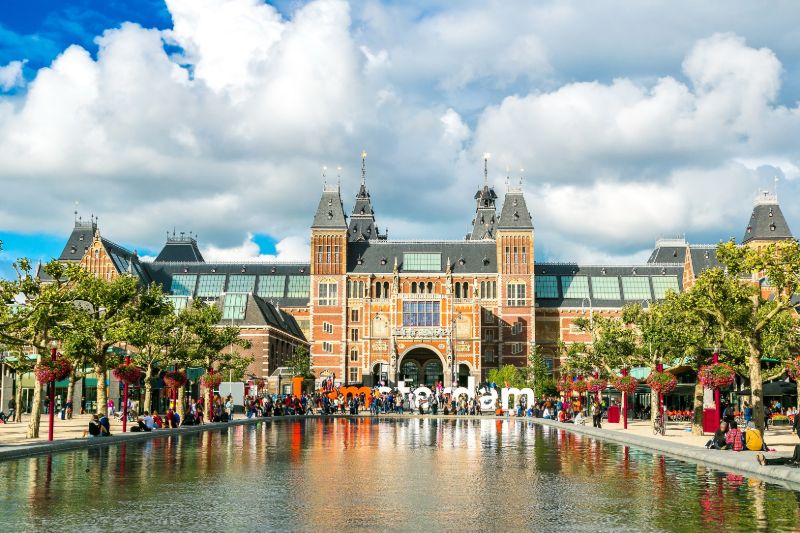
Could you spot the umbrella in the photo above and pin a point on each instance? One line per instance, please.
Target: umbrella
(776, 388)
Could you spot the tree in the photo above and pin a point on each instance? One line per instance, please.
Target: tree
(299, 362)
(509, 375)
(45, 315)
(151, 331)
(105, 310)
(750, 301)
(538, 376)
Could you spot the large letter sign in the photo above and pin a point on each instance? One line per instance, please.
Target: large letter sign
(509, 391)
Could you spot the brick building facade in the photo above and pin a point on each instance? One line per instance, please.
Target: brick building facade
(373, 309)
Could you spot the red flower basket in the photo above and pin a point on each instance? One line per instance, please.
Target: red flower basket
(716, 376)
(596, 384)
(260, 383)
(793, 368)
(564, 387)
(211, 381)
(625, 384)
(48, 370)
(175, 379)
(128, 374)
(662, 382)
(580, 385)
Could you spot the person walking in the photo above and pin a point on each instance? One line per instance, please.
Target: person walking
(597, 414)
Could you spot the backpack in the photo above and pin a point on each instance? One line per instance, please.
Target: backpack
(753, 440)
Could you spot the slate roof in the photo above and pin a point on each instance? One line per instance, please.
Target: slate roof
(330, 211)
(515, 214)
(479, 257)
(78, 241)
(483, 225)
(704, 256)
(669, 251)
(260, 312)
(601, 271)
(162, 273)
(766, 222)
(362, 222)
(180, 249)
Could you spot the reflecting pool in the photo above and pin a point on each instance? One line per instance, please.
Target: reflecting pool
(412, 474)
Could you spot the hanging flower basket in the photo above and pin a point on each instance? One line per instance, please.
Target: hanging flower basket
(128, 373)
(793, 368)
(175, 379)
(662, 382)
(596, 384)
(625, 384)
(580, 385)
(48, 370)
(211, 381)
(260, 383)
(564, 387)
(716, 376)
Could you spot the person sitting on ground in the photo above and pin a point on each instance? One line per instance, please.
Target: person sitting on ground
(105, 426)
(140, 425)
(158, 422)
(562, 415)
(94, 429)
(752, 438)
(148, 421)
(718, 442)
(733, 438)
(579, 418)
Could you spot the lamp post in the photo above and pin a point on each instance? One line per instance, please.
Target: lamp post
(660, 368)
(52, 390)
(125, 395)
(624, 403)
(717, 402)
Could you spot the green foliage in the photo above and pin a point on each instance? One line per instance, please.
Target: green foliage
(300, 362)
(507, 375)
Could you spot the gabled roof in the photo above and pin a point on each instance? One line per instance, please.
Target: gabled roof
(704, 256)
(515, 214)
(180, 248)
(125, 261)
(78, 241)
(766, 222)
(330, 211)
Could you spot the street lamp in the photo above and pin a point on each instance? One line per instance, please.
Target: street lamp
(52, 385)
(125, 392)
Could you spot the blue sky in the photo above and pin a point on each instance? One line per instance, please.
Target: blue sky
(217, 116)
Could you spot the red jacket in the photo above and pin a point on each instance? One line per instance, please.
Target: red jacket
(734, 437)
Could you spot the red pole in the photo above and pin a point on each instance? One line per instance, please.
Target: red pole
(125, 400)
(597, 376)
(52, 386)
(624, 404)
(660, 368)
(209, 414)
(717, 402)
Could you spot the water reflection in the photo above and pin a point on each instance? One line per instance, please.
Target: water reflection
(406, 475)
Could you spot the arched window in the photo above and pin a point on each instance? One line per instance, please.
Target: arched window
(385, 289)
(377, 289)
(465, 290)
(458, 289)
(430, 287)
(413, 287)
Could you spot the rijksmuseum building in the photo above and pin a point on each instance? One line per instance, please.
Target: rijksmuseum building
(372, 309)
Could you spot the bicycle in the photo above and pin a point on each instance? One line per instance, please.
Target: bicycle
(659, 428)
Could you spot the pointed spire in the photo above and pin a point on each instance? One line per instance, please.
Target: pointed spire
(486, 157)
(363, 168)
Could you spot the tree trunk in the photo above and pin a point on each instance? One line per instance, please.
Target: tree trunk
(179, 407)
(71, 388)
(36, 407)
(798, 394)
(148, 388)
(697, 418)
(756, 388)
(100, 371)
(18, 399)
(653, 409)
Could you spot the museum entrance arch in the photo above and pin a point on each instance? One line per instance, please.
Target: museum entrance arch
(419, 366)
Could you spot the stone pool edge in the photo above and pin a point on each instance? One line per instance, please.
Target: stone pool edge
(737, 462)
